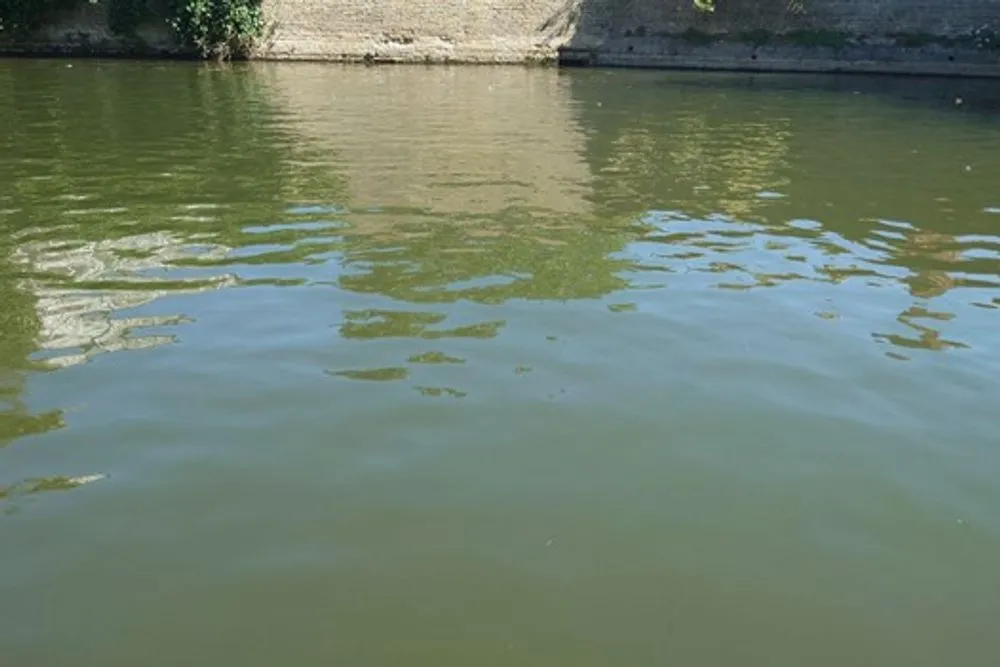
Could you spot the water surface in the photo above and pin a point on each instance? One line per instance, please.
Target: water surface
(314, 365)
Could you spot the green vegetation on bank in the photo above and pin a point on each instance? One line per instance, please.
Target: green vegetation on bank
(210, 28)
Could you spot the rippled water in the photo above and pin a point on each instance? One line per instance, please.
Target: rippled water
(312, 365)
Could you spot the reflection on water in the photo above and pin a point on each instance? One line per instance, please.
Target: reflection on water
(482, 192)
(547, 303)
(79, 286)
(32, 486)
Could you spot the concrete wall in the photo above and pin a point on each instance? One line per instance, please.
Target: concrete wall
(636, 32)
(932, 36)
(415, 30)
(920, 36)
(857, 17)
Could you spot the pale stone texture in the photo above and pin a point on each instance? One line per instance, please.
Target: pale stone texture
(490, 31)
(641, 33)
(819, 35)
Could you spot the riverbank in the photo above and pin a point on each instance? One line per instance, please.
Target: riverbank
(938, 37)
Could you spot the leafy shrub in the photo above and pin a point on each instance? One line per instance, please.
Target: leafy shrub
(221, 29)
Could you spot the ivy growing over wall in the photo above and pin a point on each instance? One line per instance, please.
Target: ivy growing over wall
(221, 29)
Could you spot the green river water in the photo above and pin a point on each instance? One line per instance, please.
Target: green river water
(308, 365)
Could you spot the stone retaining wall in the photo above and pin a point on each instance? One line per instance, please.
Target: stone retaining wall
(914, 36)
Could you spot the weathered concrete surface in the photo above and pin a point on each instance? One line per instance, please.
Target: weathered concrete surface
(482, 31)
(803, 35)
(615, 18)
(892, 36)
(900, 36)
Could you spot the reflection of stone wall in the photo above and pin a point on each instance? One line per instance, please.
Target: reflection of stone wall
(472, 141)
(77, 322)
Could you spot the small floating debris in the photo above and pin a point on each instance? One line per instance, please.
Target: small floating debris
(995, 210)
(768, 194)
